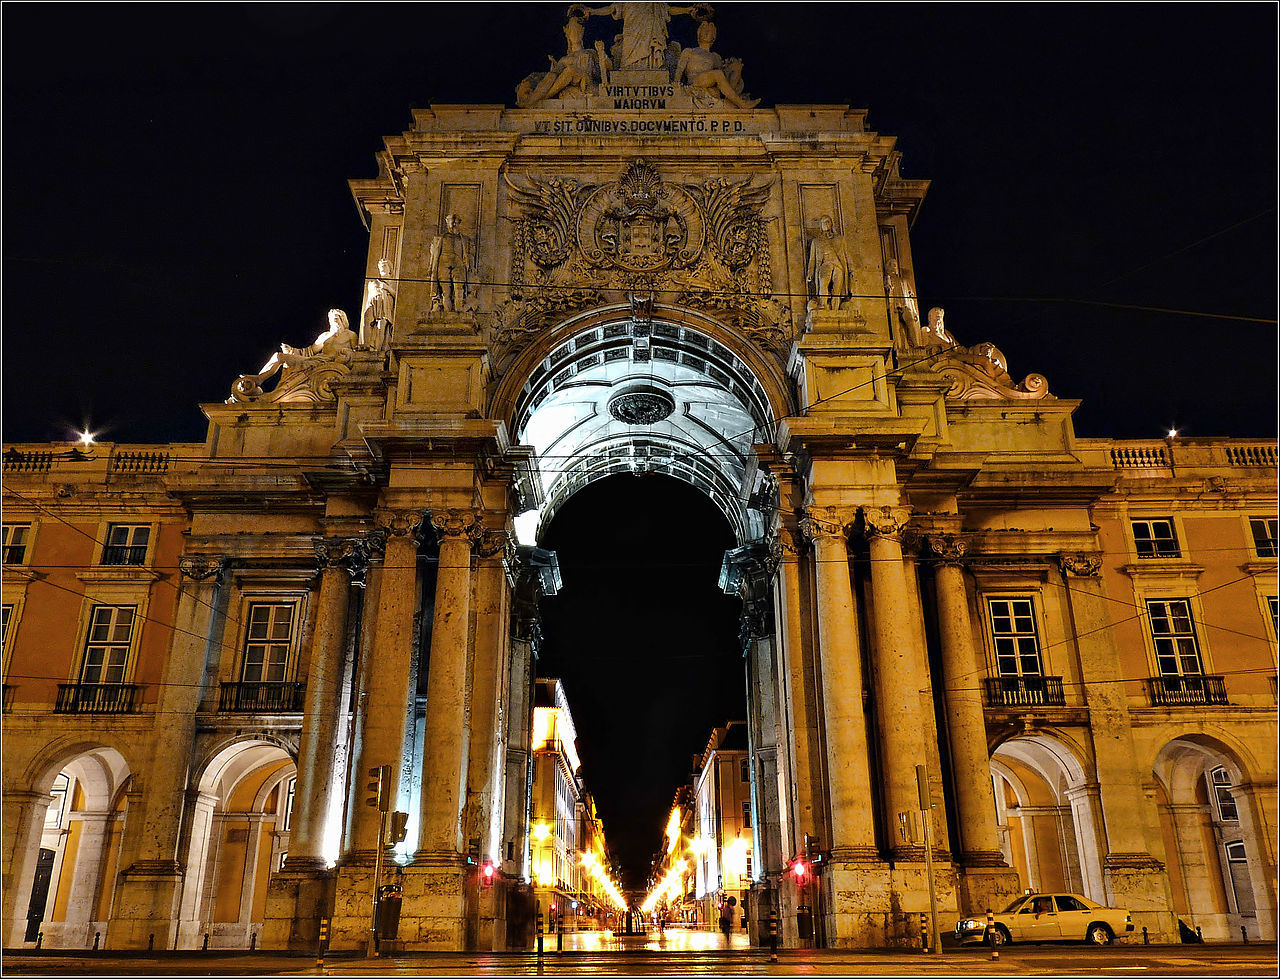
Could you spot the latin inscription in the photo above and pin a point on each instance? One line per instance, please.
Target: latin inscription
(637, 127)
(639, 96)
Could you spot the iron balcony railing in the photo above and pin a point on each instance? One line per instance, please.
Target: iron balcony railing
(96, 698)
(1181, 691)
(267, 697)
(1024, 691)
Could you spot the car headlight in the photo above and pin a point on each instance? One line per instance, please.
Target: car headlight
(968, 923)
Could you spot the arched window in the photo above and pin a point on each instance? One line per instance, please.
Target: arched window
(57, 808)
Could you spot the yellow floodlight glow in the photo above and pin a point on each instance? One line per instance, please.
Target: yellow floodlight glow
(673, 829)
(541, 832)
(86, 438)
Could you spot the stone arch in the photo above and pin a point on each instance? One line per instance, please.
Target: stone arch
(64, 835)
(1218, 847)
(1048, 813)
(675, 393)
(234, 838)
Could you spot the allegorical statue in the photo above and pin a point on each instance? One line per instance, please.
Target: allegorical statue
(450, 263)
(576, 72)
(707, 70)
(643, 43)
(937, 329)
(827, 268)
(902, 300)
(332, 346)
(379, 308)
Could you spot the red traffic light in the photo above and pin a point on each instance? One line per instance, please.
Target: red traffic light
(801, 870)
(487, 872)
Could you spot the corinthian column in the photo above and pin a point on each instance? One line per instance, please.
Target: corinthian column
(966, 726)
(848, 772)
(898, 666)
(445, 745)
(337, 557)
(384, 700)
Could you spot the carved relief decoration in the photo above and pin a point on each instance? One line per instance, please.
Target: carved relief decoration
(201, 568)
(1080, 565)
(704, 242)
(979, 372)
(458, 522)
(947, 548)
(399, 523)
(826, 521)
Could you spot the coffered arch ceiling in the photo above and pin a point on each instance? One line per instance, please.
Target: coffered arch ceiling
(646, 396)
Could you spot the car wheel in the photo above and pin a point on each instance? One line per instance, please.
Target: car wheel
(1098, 935)
(998, 935)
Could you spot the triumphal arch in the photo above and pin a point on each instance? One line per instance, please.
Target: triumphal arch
(638, 269)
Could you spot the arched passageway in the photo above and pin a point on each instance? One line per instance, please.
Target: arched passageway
(1047, 816)
(69, 831)
(1217, 860)
(239, 836)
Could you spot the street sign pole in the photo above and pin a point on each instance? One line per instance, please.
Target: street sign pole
(922, 788)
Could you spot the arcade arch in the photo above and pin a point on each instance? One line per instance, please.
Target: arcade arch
(1047, 816)
(69, 834)
(239, 836)
(1216, 856)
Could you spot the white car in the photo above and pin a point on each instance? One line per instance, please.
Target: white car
(1038, 917)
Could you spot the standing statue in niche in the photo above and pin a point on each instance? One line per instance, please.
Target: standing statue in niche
(827, 269)
(643, 42)
(379, 308)
(450, 263)
(708, 71)
(906, 311)
(577, 71)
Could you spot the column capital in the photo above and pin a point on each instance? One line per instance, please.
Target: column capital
(818, 522)
(885, 521)
(346, 553)
(1080, 565)
(202, 567)
(949, 549)
(398, 523)
(458, 522)
(490, 543)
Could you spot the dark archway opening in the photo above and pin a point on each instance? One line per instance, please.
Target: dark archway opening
(645, 644)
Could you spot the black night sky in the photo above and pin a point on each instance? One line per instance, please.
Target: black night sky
(175, 205)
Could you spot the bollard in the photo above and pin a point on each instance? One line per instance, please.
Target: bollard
(924, 932)
(322, 939)
(253, 942)
(151, 942)
(991, 935)
(1199, 936)
(560, 934)
(39, 941)
(773, 936)
(540, 931)
(97, 937)
(205, 946)
(1244, 935)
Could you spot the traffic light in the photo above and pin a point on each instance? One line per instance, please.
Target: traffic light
(800, 868)
(379, 787)
(487, 873)
(399, 826)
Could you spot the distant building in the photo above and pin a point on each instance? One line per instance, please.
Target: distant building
(569, 855)
(722, 849)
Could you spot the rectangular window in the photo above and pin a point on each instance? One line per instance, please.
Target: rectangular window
(1177, 652)
(4, 631)
(15, 542)
(1264, 535)
(286, 808)
(748, 863)
(746, 815)
(126, 544)
(1220, 791)
(1013, 630)
(267, 643)
(746, 770)
(1155, 539)
(106, 652)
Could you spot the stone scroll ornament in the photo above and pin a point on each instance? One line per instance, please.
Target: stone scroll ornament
(306, 374)
(459, 522)
(889, 522)
(826, 521)
(979, 372)
(703, 243)
(201, 568)
(1080, 565)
